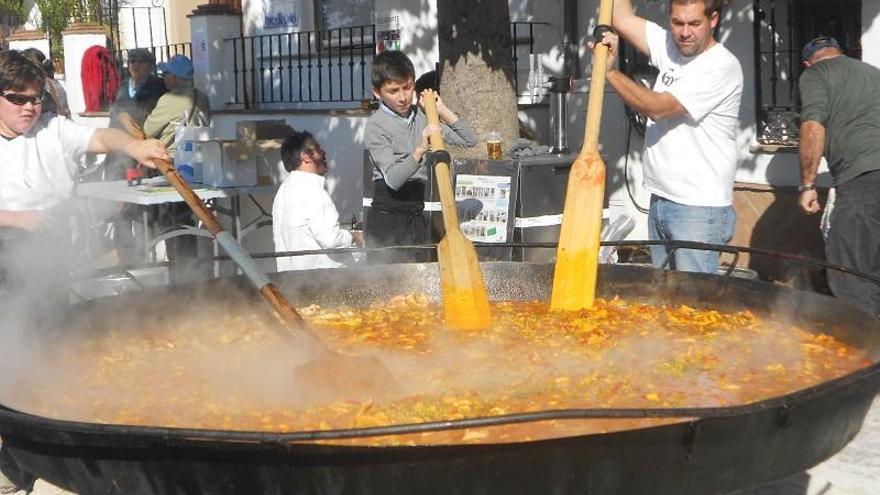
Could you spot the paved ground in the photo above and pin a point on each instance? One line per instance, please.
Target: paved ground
(855, 470)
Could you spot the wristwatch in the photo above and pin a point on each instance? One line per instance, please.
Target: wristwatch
(806, 187)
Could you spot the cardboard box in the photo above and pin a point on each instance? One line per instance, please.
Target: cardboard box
(270, 168)
(228, 164)
(249, 131)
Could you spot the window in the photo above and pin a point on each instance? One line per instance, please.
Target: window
(334, 14)
(781, 28)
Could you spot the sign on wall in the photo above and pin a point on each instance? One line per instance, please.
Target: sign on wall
(200, 50)
(281, 13)
(387, 32)
(491, 195)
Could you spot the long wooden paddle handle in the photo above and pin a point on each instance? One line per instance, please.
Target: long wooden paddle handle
(238, 254)
(441, 170)
(597, 85)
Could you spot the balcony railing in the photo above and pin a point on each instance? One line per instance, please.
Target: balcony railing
(327, 66)
(310, 66)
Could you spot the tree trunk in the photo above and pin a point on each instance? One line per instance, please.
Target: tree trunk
(476, 67)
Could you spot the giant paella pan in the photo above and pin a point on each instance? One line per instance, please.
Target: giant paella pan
(673, 383)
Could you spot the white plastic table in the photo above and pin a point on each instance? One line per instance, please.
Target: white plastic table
(156, 191)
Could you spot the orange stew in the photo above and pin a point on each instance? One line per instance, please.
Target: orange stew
(227, 369)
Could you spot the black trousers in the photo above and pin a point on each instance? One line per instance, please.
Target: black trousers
(397, 218)
(854, 241)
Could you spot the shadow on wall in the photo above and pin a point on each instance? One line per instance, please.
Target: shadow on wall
(771, 219)
(870, 14)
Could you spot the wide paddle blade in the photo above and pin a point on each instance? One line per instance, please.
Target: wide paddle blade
(577, 257)
(574, 278)
(465, 301)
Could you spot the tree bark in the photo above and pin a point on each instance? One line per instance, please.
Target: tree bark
(476, 67)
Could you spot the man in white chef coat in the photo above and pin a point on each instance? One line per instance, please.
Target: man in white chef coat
(303, 214)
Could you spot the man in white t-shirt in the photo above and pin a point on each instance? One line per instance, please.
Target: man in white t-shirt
(40, 152)
(693, 116)
(303, 215)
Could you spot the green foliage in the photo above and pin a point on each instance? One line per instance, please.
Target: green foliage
(56, 15)
(14, 7)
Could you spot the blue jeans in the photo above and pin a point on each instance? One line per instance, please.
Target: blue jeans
(668, 220)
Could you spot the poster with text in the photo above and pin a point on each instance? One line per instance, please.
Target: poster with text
(484, 201)
(281, 14)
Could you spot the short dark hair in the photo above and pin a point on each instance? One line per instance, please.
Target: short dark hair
(428, 80)
(293, 145)
(17, 72)
(709, 6)
(40, 59)
(392, 65)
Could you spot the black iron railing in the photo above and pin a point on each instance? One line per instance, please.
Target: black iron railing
(143, 21)
(776, 70)
(331, 65)
(781, 27)
(310, 66)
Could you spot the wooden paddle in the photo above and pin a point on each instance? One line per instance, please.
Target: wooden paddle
(577, 257)
(329, 375)
(465, 302)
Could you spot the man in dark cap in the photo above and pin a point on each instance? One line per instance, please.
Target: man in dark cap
(137, 96)
(841, 121)
(139, 93)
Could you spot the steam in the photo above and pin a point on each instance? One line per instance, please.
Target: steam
(34, 268)
(196, 367)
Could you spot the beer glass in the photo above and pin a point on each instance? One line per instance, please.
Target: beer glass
(493, 145)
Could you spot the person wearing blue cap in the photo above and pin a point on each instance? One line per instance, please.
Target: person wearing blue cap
(181, 105)
(840, 120)
(182, 99)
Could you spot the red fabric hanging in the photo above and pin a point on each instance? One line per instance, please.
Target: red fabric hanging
(99, 79)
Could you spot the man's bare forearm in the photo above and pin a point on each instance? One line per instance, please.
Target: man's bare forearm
(811, 149)
(643, 100)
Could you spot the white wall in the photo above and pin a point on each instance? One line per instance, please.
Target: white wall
(40, 44)
(871, 32)
(75, 45)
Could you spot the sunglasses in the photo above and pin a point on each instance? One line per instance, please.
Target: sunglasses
(20, 99)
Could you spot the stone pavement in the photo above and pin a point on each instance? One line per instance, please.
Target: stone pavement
(855, 470)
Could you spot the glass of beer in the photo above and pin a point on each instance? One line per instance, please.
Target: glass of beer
(493, 145)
